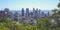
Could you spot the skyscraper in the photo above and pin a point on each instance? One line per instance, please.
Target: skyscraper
(33, 12)
(48, 13)
(36, 14)
(16, 16)
(27, 12)
(42, 15)
(22, 11)
(39, 13)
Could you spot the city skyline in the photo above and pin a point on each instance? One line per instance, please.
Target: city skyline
(17, 4)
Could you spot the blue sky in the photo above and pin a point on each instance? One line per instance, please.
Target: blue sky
(18, 4)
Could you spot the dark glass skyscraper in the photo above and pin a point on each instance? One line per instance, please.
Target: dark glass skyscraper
(39, 13)
(22, 11)
(33, 10)
(36, 14)
(27, 11)
(48, 13)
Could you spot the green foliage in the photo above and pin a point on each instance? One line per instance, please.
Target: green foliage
(4, 19)
(58, 5)
(6, 24)
(42, 24)
(55, 11)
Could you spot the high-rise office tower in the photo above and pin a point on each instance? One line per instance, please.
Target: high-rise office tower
(33, 12)
(16, 16)
(39, 12)
(36, 13)
(27, 11)
(22, 12)
(48, 13)
(45, 15)
(42, 15)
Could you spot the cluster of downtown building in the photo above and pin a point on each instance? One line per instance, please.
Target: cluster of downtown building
(24, 16)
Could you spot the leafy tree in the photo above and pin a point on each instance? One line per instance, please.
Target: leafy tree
(44, 23)
(58, 4)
